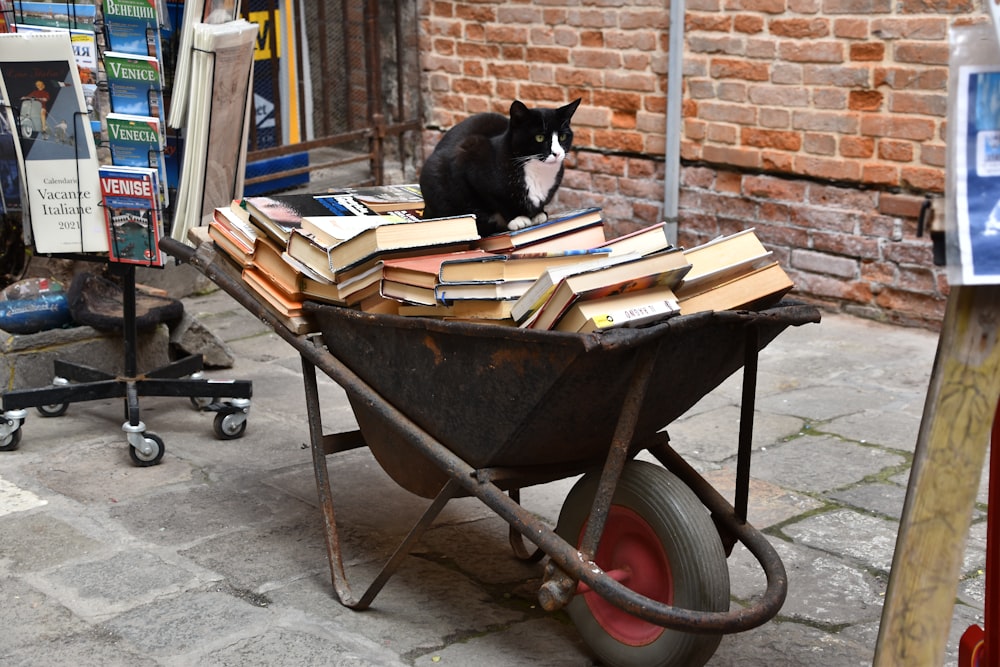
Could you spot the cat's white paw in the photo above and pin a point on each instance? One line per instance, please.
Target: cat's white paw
(520, 222)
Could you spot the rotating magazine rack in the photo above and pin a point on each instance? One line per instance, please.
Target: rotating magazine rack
(74, 382)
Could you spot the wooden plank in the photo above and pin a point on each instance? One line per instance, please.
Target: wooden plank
(944, 480)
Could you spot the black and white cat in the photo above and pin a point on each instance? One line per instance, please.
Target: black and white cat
(504, 171)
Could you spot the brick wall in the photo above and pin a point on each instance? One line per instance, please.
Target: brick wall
(819, 122)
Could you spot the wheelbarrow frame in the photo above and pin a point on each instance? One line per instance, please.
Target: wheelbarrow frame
(498, 487)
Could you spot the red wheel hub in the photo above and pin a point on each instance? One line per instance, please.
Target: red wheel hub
(631, 552)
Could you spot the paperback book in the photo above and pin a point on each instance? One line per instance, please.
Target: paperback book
(56, 155)
(556, 226)
(136, 141)
(660, 269)
(132, 26)
(135, 84)
(278, 214)
(383, 198)
(430, 234)
(629, 309)
(132, 213)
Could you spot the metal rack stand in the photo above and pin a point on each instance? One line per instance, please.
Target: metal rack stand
(76, 383)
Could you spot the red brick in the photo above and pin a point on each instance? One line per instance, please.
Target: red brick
(475, 13)
(903, 78)
(769, 187)
(914, 129)
(847, 245)
(722, 68)
(864, 100)
(895, 151)
(709, 22)
(789, 141)
(731, 156)
(799, 28)
(858, 147)
(850, 28)
(921, 53)
(813, 52)
(941, 6)
(819, 144)
(748, 24)
(842, 197)
(729, 181)
(837, 170)
(907, 206)
(915, 253)
(917, 103)
(880, 174)
(779, 162)
(505, 33)
(923, 179)
(869, 51)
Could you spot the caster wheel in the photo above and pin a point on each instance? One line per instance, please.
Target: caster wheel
(11, 441)
(154, 457)
(200, 402)
(659, 536)
(54, 410)
(227, 427)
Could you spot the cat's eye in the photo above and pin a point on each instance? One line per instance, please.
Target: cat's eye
(540, 138)
(563, 136)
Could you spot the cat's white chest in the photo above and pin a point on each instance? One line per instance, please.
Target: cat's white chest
(539, 177)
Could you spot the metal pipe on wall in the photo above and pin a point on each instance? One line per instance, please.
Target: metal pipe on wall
(672, 149)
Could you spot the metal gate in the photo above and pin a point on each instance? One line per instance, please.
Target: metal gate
(336, 94)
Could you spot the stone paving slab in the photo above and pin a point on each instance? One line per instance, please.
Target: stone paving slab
(217, 556)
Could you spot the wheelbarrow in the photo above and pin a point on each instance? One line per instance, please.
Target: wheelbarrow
(449, 409)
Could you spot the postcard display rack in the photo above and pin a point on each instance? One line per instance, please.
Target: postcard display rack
(229, 400)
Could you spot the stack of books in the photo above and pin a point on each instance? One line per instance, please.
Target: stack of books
(373, 252)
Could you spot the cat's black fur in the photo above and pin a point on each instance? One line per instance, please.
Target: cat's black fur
(505, 172)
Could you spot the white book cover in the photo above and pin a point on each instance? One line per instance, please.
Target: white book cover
(43, 99)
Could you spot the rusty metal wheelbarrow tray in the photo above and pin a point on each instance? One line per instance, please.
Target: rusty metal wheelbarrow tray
(457, 408)
(505, 397)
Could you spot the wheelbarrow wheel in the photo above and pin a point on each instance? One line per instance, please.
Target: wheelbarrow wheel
(661, 542)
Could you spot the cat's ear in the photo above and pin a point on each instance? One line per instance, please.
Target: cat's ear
(518, 110)
(568, 110)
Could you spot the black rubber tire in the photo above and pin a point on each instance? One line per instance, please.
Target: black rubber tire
(54, 410)
(689, 542)
(224, 429)
(152, 460)
(11, 442)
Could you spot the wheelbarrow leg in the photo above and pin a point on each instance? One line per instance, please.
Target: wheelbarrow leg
(338, 575)
(618, 455)
(558, 586)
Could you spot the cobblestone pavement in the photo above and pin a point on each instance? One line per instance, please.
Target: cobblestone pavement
(216, 556)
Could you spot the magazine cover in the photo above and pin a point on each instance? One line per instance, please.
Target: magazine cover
(977, 174)
(132, 214)
(44, 101)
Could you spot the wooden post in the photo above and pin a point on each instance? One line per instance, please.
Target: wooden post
(944, 480)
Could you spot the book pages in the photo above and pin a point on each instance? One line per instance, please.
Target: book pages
(43, 99)
(218, 122)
